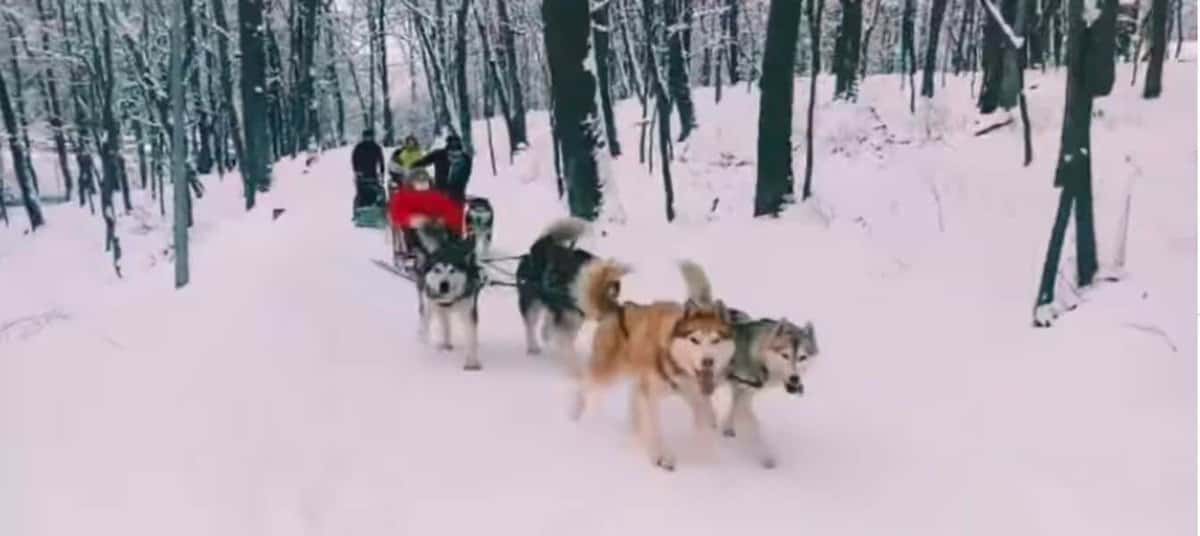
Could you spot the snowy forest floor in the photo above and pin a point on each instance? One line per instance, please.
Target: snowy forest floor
(283, 391)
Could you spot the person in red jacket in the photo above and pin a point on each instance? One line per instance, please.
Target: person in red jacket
(415, 202)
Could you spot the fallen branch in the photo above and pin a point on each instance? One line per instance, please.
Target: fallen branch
(1154, 330)
(994, 127)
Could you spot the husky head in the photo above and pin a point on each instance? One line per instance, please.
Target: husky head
(785, 351)
(449, 270)
(702, 341)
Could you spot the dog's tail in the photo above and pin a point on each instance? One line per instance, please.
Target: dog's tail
(699, 289)
(597, 287)
(562, 232)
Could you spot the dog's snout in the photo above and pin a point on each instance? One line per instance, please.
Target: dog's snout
(707, 362)
(444, 287)
(793, 385)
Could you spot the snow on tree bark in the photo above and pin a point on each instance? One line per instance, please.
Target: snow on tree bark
(518, 133)
(574, 88)
(1086, 78)
(937, 12)
(601, 30)
(33, 207)
(1159, 14)
(815, 13)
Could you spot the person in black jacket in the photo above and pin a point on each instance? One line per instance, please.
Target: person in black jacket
(367, 161)
(452, 168)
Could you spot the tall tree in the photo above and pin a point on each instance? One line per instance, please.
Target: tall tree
(460, 71)
(845, 50)
(908, 49)
(14, 37)
(55, 106)
(574, 88)
(228, 108)
(936, 13)
(1159, 14)
(732, 8)
(518, 134)
(1090, 73)
(996, 91)
(304, 97)
(179, 173)
(33, 207)
(601, 29)
(256, 171)
(814, 34)
(775, 108)
(676, 12)
(389, 129)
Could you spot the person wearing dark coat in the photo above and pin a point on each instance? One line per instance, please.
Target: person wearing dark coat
(452, 168)
(368, 163)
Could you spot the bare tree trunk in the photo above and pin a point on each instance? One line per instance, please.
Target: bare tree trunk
(389, 129)
(227, 102)
(600, 34)
(1159, 14)
(814, 34)
(566, 38)
(179, 150)
(111, 143)
(775, 109)
(675, 12)
(1090, 74)
(518, 133)
(56, 114)
(846, 50)
(735, 49)
(33, 207)
(256, 169)
(935, 28)
(908, 49)
(460, 71)
(14, 29)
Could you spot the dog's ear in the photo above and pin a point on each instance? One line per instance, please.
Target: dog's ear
(690, 307)
(811, 332)
(723, 312)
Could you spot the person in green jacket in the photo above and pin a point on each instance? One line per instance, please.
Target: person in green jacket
(400, 165)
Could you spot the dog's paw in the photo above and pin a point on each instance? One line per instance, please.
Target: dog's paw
(768, 462)
(728, 432)
(665, 462)
(445, 347)
(473, 365)
(533, 350)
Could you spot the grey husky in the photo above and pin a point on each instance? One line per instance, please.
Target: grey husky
(448, 283)
(768, 353)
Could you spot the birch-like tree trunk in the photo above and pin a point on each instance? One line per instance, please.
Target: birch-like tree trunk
(179, 174)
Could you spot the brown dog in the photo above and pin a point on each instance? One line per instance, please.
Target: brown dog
(663, 346)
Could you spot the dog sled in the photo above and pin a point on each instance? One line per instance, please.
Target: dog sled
(471, 219)
(370, 204)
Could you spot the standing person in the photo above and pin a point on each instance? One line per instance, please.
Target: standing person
(401, 162)
(367, 161)
(452, 168)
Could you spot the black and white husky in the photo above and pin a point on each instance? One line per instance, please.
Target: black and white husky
(545, 277)
(448, 282)
(768, 353)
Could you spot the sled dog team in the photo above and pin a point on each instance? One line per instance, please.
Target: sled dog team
(687, 347)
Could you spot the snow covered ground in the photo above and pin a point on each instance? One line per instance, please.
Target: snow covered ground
(283, 391)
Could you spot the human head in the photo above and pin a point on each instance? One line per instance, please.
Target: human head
(453, 142)
(410, 141)
(368, 134)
